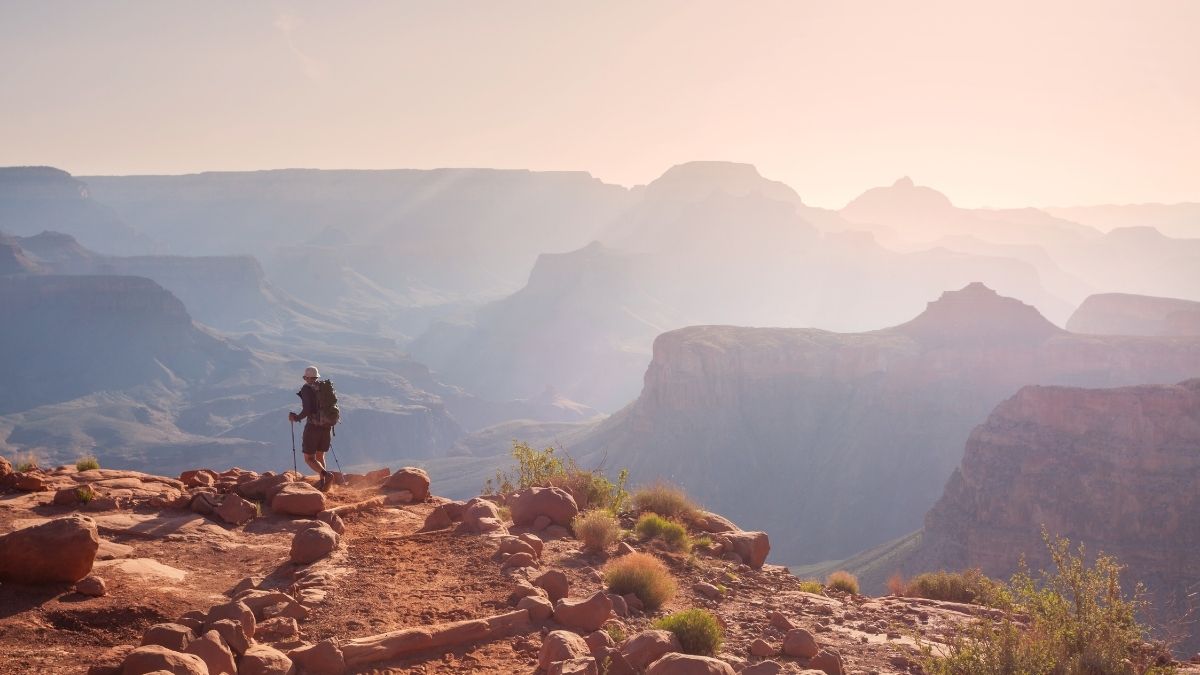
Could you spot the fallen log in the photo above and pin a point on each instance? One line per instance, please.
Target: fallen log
(395, 644)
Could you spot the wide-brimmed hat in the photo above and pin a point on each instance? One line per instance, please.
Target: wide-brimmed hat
(311, 371)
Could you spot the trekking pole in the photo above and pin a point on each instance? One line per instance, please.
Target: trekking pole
(339, 464)
(295, 466)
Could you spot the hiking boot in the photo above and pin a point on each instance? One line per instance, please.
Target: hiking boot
(326, 481)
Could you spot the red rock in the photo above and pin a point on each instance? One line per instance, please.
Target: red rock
(333, 520)
(412, 479)
(151, 658)
(761, 647)
(31, 481)
(555, 583)
(561, 645)
(751, 547)
(198, 478)
(648, 646)
(828, 660)
(173, 636)
(778, 620)
(687, 664)
(587, 615)
(519, 560)
(91, 585)
(323, 658)
(799, 642)
(216, 655)
(714, 523)
(235, 510)
(234, 611)
(599, 642)
(516, 545)
(763, 668)
(263, 487)
(277, 629)
(539, 608)
(231, 632)
(313, 543)
(62, 549)
(264, 660)
(298, 499)
(554, 503)
(581, 666)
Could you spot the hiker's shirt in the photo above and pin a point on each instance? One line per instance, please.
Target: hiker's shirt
(310, 403)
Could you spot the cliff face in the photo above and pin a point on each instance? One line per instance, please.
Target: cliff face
(845, 440)
(1126, 314)
(1116, 469)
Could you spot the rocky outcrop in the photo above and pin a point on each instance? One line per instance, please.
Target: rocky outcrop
(1125, 314)
(845, 440)
(61, 550)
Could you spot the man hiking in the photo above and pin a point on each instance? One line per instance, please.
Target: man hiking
(315, 441)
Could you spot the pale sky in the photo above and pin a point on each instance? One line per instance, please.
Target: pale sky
(999, 103)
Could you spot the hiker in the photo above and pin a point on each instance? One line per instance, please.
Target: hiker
(316, 439)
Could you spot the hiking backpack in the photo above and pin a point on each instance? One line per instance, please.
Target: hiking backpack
(328, 413)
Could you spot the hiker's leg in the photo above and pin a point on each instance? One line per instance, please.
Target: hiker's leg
(314, 463)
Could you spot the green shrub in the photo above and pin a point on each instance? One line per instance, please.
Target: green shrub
(812, 586)
(698, 630)
(615, 632)
(87, 463)
(555, 468)
(665, 500)
(643, 575)
(84, 494)
(654, 526)
(1079, 623)
(842, 580)
(970, 586)
(597, 529)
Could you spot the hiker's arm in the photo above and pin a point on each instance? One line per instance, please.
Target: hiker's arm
(309, 399)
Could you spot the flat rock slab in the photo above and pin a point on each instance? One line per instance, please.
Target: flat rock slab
(111, 550)
(161, 527)
(147, 569)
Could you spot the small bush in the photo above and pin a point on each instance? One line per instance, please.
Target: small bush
(654, 526)
(504, 513)
(643, 575)
(615, 632)
(970, 586)
(665, 500)
(812, 586)
(550, 467)
(698, 630)
(84, 494)
(87, 463)
(597, 529)
(842, 580)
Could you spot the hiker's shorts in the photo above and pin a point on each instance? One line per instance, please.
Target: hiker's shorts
(316, 438)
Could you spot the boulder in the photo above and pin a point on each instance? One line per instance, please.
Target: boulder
(687, 664)
(443, 516)
(323, 658)
(561, 645)
(234, 611)
(751, 547)
(761, 647)
(313, 543)
(277, 603)
(828, 660)
(198, 478)
(7, 477)
(707, 590)
(235, 510)
(799, 642)
(599, 642)
(216, 655)
(587, 615)
(778, 620)
(475, 511)
(205, 503)
(620, 607)
(32, 481)
(763, 668)
(412, 479)
(516, 545)
(247, 584)
(298, 499)
(539, 608)
(580, 666)
(648, 646)
(524, 589)
(277, 629)
(152, 658)
(533, 540)
(263, 487)
(264, 660)
(91, 585)
(519, 560)
(551, 502)
(61, 550)
(231, 632)
(173, 636)
(333, 520)
(555, 583)
(713, 523)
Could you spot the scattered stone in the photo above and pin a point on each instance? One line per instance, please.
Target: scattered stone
(534, 542)
(539, 608)
(763, 668)
(561, 645)
(399, 497)
(799, 642)
(524, 589)
(205, 503)
(476, 512)
(555, 583)
(264, 660)
(234, 611)
(235, 510)
(516, 545)
(150, 658)
(412, 479)
(519, 560)
(554, 503)
(263, 487)
(541, 523)
(277, 629)
(707, 590)
(687, 664)
(761, 647)
(233, 636)
(61, 550)
(624, 548)
(714, 523)
(443, 516)
(587, 615)
(634, 602)
(599, 642)
(313, 543)
(247, 584)
(216, 655)
(828, 660)
(195, 619)
(620, 608)
(91, 585)
(298, 499)
(333, 520)
(751, 547)
(648, 646)
(173, 636)
(580, 666)
(778, 620)
(323, 658)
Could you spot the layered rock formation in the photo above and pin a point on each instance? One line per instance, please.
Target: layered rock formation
(1125, 314)
(845, 440)
(37, 198)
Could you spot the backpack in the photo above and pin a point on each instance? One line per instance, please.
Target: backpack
(328, 413)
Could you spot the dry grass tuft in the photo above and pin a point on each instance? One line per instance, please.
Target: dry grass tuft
(597, 529)
(666, 500)
(643, 575)
(842, 580)
(698, 631)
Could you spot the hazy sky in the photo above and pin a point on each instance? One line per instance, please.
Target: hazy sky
(995, 103)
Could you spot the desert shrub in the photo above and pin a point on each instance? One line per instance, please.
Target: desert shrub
(665, 500)
(896, 584)
(643, 575)
(84, 494)
(25, 462)
(597, 529)
(654, 526)
(615, 631)
(1079, 623)
(87, 463)
(550, 467)
(812, 586)
(969, 586)
(698, 630)
(842, 580)
(504, 514)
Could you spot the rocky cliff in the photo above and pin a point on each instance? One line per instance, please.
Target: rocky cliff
(846, 440)
(1126, 314)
